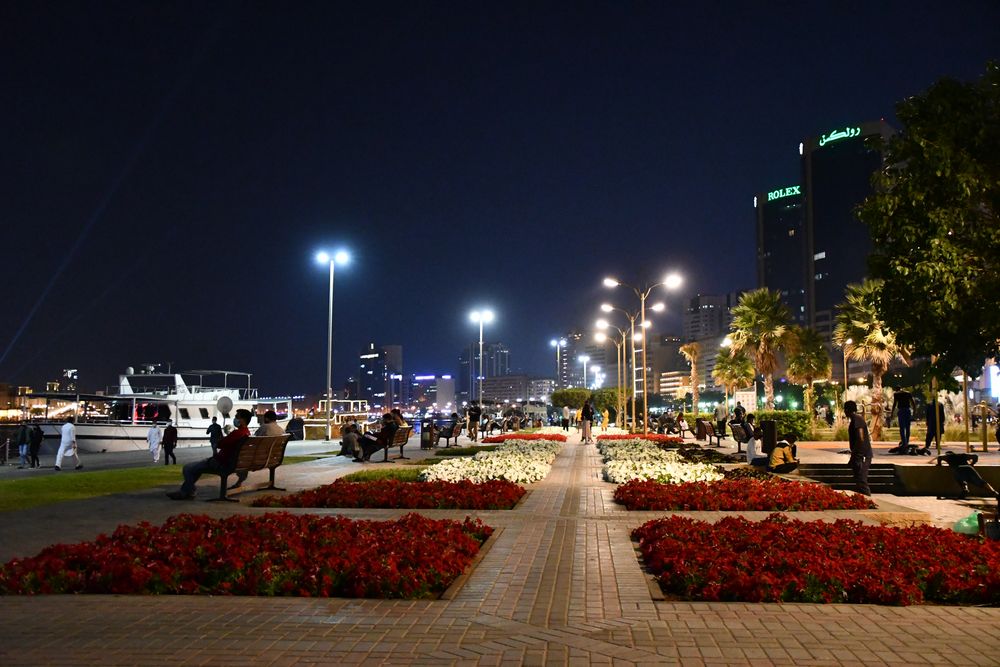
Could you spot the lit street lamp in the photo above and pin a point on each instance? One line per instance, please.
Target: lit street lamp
(584, 358)
(596, 370)
(620, 349)
(634, 337)
(672, 281)
(322, 257)
(482, 317)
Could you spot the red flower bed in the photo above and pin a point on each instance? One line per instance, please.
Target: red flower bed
(785, 560)
(498, 494)
(271, 554)
(737, 495)
(652, 437)
(493, 439)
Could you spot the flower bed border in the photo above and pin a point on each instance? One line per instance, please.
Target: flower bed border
(458, 583)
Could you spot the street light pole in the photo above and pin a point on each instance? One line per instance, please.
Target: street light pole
(481, 317)
(329, 358)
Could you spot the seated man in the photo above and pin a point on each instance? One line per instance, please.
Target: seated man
(349, 435)
(218, 463)
(965, 474)
(269, 427)
(371, 443)
(783, 456)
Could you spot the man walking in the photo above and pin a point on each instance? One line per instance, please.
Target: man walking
(154, 437)
(565, 418)
(23, 439)
(67, 444)
(169, 443)
(861, 446)
(903, 406)
(214, 432)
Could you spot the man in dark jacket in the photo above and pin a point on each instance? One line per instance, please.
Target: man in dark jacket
(221, 461)
(35, 445)
(935, 420)
(861, 446)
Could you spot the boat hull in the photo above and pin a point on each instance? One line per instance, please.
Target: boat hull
(98, 438)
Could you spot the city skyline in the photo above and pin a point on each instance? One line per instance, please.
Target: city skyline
(173, 172)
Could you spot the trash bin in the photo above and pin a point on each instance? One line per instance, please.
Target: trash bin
(700, 433)
(769, 437)
(426, 433)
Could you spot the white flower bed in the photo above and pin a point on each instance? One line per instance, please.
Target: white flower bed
(626, 460)
(518, 461)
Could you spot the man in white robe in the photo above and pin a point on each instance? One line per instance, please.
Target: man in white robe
(153, 437)
(67, 444)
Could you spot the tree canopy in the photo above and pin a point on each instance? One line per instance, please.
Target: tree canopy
(934, 223)
(572, 397)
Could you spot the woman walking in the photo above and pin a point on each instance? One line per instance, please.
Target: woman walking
(587, 421)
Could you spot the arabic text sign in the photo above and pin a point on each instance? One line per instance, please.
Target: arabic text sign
(784, 192)
(837, 135)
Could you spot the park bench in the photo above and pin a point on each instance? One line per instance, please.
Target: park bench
(400, 439)
(711, 433)
(256, 453)
(740, 434)
(449, 432)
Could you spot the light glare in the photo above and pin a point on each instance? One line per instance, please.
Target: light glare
(673, 281)
(607, 307)
(657, 307)
(611, 282)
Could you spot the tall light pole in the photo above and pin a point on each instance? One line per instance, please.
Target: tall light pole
(671, 281)
(339, 257)
(584, 358)
(558, 344)
(601, 337)
(482, 317)
(843, 398)
(596, 370)
(726, 343)
(634, 337)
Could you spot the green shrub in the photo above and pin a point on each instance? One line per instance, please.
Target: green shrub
(786, 421)
(464, 451)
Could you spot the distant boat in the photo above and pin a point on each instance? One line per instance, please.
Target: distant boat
(119, 420)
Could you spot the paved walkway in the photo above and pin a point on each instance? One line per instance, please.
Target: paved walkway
(559, 584)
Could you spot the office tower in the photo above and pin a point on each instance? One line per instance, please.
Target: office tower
(708, 315)
(781, 247)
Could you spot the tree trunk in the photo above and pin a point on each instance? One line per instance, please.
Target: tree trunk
(808, 401)
(876, 426)
(769, 391)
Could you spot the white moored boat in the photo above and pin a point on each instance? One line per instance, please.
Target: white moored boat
(119, 420)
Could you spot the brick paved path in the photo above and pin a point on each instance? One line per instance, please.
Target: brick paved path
(560, 584)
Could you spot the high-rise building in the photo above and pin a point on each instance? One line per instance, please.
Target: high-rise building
(427, 392)
(539, 389)
(506, 388)
(708, 315)
(380, 376)
(781, 247)
(496, 363)
(667, 358)
(836, 168)
(571, 373)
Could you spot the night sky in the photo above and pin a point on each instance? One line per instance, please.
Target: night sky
(169, 169)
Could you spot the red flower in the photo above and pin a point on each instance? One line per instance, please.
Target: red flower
(652, 437)
(737, 495)
(494, 439)
(785, 560)
(270, 554)
(498, 494)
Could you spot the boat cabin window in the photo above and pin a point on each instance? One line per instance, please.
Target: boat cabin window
(184, 413)
(204, 412)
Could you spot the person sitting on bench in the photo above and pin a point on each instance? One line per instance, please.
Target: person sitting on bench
(371, 443)
(783, 456)
(349, 435)
(754, 457)
(965, 474)
(224, 457)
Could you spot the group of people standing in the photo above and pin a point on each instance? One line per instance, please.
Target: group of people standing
(29, 442)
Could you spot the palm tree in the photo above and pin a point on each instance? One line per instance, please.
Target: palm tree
(807, 361)
(859, 321)
(760, 328)
(691, 352)
(733, 369)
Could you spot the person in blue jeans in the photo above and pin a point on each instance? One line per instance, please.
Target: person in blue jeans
(903, 406)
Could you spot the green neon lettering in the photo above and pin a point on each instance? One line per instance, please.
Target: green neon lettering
(837, 135)
(784, 192)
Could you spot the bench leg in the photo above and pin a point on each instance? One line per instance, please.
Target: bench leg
(401, 454)
(385, 459)
(222, 492)
(271, 486)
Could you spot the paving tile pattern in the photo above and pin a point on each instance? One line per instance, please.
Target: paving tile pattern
(560, 584)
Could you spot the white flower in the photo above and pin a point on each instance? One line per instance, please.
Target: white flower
(626, 460)
(518, 461)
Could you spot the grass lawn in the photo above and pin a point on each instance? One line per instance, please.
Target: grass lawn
(408, 474)
(75, 485)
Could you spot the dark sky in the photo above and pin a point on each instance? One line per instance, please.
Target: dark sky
(170, 168)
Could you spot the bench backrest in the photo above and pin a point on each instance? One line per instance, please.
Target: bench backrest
(277, 453)
(709, 428)
(401, 436)
(255, 451)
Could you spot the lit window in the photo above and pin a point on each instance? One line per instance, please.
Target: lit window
(820, 255)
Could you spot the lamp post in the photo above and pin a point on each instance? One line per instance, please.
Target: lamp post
(620, 348)
(607, 308)
(596, 370)
(482, 317)
(671, 281)
(726, 343)
(339, 257)
(843, 399)
(558, 344)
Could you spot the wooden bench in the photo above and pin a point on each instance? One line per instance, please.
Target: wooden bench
(711, 433)
(399, 439)
(256, 453)
(740, 434)
(449, 432)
